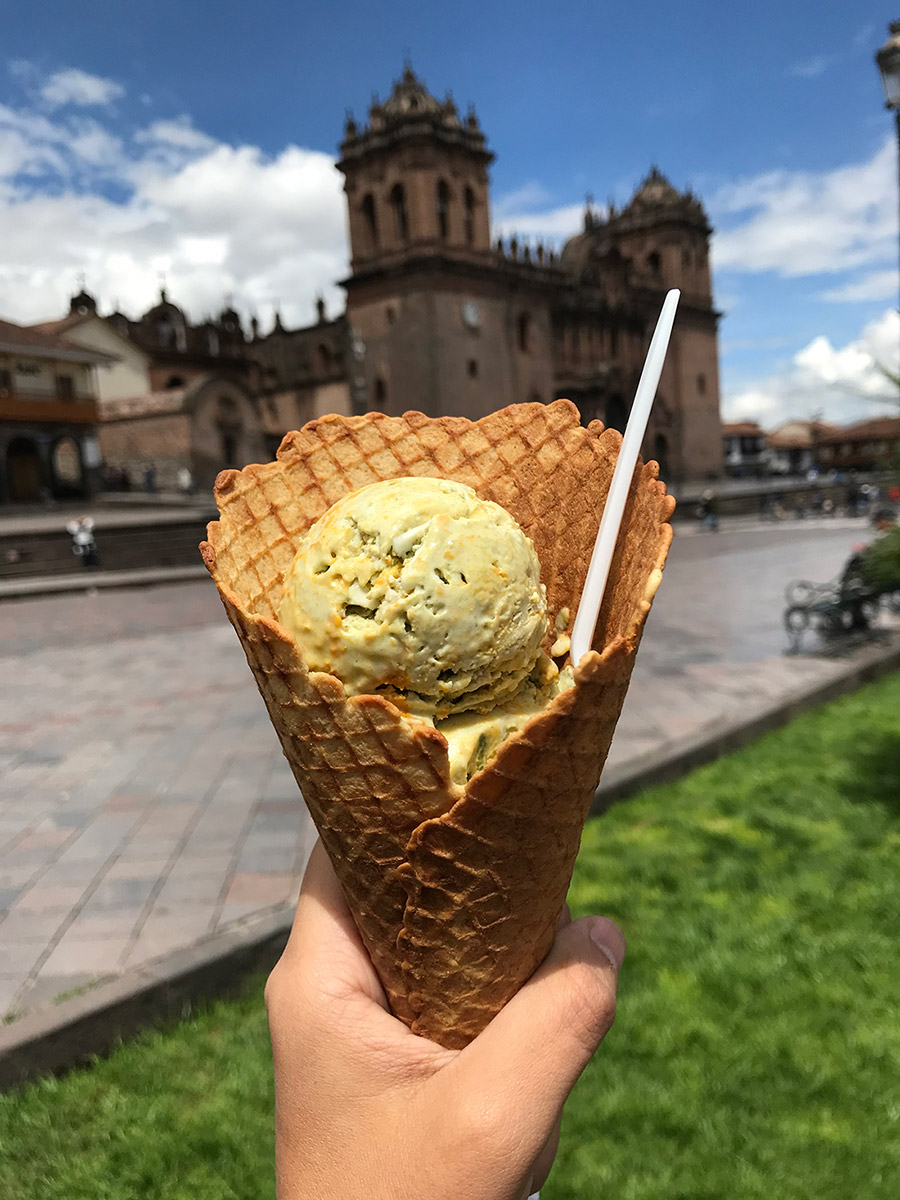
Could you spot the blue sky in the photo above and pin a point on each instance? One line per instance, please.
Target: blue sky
(198, 140)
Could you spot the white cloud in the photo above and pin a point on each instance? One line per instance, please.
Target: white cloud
(552, 226)
(527, 212)
(73, 86)
(218, 219)
(179, 133)
(802, 222)
(528, 196)
(843, 383)
(876, 285)
(811, 68)
(96, 146)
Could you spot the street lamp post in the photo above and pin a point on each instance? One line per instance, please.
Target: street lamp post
(888, 60)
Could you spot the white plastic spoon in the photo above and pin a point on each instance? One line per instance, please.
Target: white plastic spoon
(608, 533)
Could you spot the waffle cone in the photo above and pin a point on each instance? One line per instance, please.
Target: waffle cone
(456, 890)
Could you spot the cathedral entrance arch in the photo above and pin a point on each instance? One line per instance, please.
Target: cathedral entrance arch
(24, 471)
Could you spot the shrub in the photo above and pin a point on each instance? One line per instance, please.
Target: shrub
(881, 561)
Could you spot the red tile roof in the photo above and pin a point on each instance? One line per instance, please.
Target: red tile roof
(61, 325)
(741, 429)
(874, 430)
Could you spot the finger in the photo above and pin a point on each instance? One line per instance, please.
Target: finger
(533, 1051)
(321, 888)
(324, 934)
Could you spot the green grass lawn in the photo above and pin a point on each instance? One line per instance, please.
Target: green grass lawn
(757, 1048)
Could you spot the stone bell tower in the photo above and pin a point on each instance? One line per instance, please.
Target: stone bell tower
(428, 300)
(665, 235)
(416, 180)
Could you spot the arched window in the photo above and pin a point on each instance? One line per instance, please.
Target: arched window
(370, 221)
(523, 331)
(443, 210)
(379, 394)
(616, 414)
(165, 332)
(654, 262)
(469, 216)
(323, 357)
(228, 447)
(398, 206)
(701, 384)
(472, 368)
(68, 478)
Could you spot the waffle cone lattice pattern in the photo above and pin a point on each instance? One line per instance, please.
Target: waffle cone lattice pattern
(456, 891)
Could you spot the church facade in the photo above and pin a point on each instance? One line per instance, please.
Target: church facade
(446, 320)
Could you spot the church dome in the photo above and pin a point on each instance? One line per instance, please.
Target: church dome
(655, 192)
(582, 246)
(83, 303)
(410, 97)
(411, 109)
(164, 308)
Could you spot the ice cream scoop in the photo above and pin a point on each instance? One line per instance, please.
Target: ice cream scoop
(417, 589)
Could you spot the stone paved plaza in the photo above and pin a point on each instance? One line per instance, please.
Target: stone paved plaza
(144, 802)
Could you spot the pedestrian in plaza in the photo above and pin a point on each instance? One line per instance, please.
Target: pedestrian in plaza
(708, 511)
(475, 1124)
(150, 478)
(852, 499)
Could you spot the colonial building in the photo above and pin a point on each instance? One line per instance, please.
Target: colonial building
(173, 396)
(793, 446)
(447, 322)
(300, 374)
(746, 450)
(48, 416)
(872, 445)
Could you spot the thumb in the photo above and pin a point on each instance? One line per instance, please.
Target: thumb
(533, 1051)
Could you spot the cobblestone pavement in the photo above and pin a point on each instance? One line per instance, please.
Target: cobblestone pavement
(144, 802)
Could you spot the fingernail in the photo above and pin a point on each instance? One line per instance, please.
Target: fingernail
(609, 938)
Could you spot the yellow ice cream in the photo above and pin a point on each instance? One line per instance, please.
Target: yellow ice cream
(473, 738)
(419, 590)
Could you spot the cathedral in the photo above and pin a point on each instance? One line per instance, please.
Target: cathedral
(439, 317)
(442, 318)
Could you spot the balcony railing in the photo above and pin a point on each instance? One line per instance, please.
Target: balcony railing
(38, 407)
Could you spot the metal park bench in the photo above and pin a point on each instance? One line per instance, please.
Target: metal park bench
(845, 605)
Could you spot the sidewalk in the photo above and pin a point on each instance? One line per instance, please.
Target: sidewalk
(146, 807)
